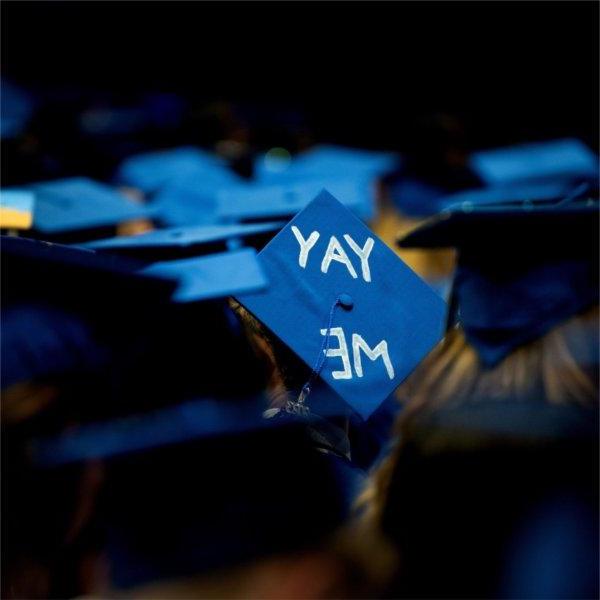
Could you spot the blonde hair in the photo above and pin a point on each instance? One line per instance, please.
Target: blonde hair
(452, 375)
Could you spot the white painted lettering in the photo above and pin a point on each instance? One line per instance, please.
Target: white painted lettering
(305, 245)
(358, 344)
(363, 254)
(336, 252)
(341, 352)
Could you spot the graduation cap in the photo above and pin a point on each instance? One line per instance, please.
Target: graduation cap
(16, 209)
(33, 268)
(557, 159)
(255, 202)
(522, 267)
(72, 310)
(194, 257)
(151, 171)
(51, 292)
(530, 172)
(330, 161)
(180, 242)
(261, 489)
(77, 205)
(182, 202)
(346, 304)
(519, 193)
(211, 276)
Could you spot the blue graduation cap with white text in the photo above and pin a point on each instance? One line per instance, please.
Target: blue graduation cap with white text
(346, 304)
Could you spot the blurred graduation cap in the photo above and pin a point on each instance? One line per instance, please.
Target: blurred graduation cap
(568, 159)
(328, 161)
(529, 172)
(49, 294)
(79, 206)
(194, 257)
(212, 276)
(255, 202)
(529, 464)
(523, 267)
(151, 171)
(181, 242)
(520, 194)
(338, 292)
(184, 202)
(34, 268)
(16, 209)
(68, 309)
(259, 487)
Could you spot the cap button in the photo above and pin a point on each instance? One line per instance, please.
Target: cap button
(346, 301)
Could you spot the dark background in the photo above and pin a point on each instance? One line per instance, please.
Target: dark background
(370, 74)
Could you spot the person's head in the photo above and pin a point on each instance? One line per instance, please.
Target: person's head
(285, 372)
(524, 305)
(206, 492)
(499, 420)
(560, 367)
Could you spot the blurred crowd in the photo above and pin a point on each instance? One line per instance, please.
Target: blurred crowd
(160, 439)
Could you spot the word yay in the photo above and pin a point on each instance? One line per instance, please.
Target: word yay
(358, 344)
(336, 252)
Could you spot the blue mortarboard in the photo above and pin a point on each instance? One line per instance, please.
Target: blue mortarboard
(330, 273)
(193, 201)
(44, 269)
(522, 267)
(558, 159)
(43, 341)
(73, 311)
(211, 276)
(174, 424)
(286, 199)
(519, 193)
(186, 239)
(331, 161)
(76, 204)
(16, 209)
(160, 526)
(151, 171)
(50, 295)
(199, 277)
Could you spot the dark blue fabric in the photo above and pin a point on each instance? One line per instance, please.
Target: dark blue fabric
(39, 341)
(500, 310)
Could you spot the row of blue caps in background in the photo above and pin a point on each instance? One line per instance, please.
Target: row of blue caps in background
(197, 200)
(190, 186)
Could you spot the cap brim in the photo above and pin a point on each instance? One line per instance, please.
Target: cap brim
(506, 224)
